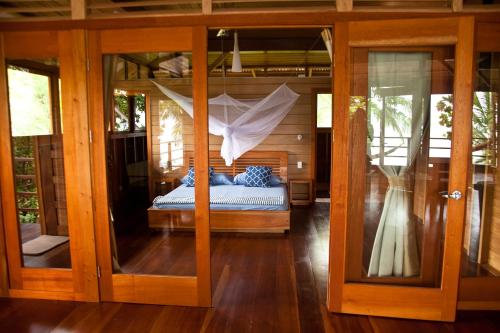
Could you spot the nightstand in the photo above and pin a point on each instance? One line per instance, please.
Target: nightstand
(300, 191)
(165, 184)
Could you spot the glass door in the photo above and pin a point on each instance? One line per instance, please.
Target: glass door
(45, 178)
(400, 160)
(149, 250)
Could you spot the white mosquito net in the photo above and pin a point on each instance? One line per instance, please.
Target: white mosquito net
(242, 123)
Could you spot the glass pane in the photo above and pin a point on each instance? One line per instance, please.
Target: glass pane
(149, 234)
(481, 254)
(401, 109)
(37, 144)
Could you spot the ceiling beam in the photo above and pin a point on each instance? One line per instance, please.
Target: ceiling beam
(344, 5)
(457, 5)
(220, 59)
(206, 7)
(78, 9)
(326, 34)
(156, 63)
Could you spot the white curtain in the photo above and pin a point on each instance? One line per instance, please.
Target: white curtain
(243, 123)
(395, 251)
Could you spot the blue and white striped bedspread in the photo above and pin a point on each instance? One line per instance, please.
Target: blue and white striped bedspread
(226, 195)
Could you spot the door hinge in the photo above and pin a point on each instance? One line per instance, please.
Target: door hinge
(98, 272)
(90, 136)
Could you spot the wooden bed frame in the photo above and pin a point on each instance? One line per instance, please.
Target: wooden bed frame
(231, 220)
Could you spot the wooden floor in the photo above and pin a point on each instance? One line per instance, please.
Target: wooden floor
(261, 284)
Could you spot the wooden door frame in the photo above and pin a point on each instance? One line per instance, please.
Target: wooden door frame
(80, 281)
(153, 289)
(389, 300)
(482, 292)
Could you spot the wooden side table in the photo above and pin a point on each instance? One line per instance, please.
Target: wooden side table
(166, 184)
(300, 191)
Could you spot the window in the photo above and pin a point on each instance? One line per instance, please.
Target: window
(29, 102)
(129, 111)
(324, 110)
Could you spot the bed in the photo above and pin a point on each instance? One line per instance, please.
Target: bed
(233, 208)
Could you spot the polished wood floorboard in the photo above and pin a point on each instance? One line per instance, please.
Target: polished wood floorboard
(262, 283)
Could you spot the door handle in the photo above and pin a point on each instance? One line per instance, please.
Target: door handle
(455, 195)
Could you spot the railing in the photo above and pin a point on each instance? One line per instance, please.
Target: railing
(438, 148)
(27, 197)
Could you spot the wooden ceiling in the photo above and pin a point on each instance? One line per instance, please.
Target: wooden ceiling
(22, 10)
(263, 52)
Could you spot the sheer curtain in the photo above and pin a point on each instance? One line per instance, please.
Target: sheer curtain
(397, 74)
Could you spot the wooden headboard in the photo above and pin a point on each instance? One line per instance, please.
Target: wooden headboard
(277, 160)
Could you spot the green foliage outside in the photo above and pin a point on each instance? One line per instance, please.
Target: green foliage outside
(122, 112)
(483, 124)
(29, 103)
(24, 165)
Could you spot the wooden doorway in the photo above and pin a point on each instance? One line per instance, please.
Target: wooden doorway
(321, 113)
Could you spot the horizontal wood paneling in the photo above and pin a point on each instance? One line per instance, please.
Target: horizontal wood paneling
(283, 138)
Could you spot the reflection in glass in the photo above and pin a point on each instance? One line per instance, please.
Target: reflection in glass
(403, 167)
(37, 145)
(481, 256)
(150, 139)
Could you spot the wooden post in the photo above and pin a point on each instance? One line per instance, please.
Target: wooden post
(344, 5)
(206, 7)
(78, 9)
(73, 59)
(457, 5)
(340, 170)
(4, 278)
(202, 208)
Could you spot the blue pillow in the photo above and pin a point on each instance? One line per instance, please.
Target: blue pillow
(258, 176)
(239, 179)
(221, 179)
(189, 178)
(275, 180)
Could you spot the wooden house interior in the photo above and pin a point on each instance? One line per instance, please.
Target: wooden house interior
(260, 165)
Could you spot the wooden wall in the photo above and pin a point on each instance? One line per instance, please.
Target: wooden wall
(284, 137)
